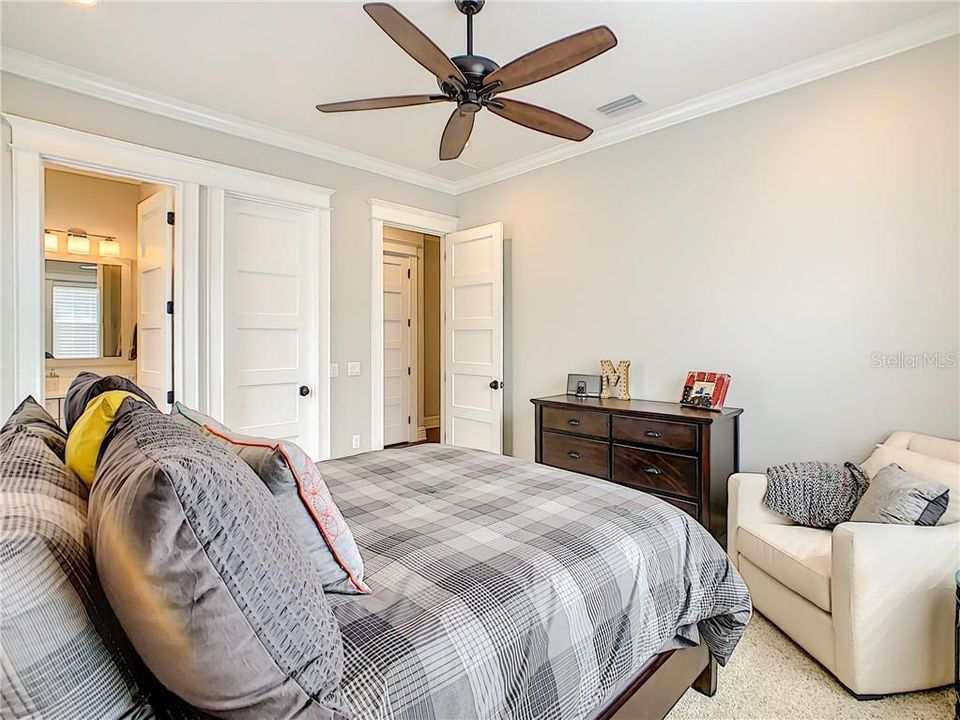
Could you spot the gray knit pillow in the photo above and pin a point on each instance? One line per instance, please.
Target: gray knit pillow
(897, 498)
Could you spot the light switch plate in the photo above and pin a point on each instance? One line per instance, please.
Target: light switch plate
(353, 368)
(356, 442)
(334, 370)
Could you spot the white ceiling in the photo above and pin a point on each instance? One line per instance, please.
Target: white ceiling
(271, 63)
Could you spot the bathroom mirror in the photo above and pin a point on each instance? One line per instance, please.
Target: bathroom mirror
(83, 309)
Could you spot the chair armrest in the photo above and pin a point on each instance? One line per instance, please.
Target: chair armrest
(745, 507)
(893, 589)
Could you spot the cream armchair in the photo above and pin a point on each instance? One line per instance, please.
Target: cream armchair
(873, 603)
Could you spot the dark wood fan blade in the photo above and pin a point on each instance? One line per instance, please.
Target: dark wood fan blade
(552, 59)
(417, 45)
(541, 119)
(380, 103)
(456, 134)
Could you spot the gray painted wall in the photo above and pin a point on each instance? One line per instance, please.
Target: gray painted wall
(350, 252)
(783, 241)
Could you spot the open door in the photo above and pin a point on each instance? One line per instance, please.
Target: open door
(154, 292)
(473, 337)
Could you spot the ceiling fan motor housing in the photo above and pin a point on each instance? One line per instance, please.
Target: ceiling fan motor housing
(469, 7)
(474, 68)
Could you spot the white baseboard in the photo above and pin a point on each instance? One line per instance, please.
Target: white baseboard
(421, 433)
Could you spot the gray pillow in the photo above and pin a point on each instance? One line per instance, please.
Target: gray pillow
(31, 415)
(897, 498)
(87, 385)
(302, 494)
(206, 577)
(62, 654)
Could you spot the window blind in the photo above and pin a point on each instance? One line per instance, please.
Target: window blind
(76, 321)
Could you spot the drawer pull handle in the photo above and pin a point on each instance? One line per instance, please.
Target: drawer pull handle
(574, 422)
(573, 455)
(653, 434)
(652, 471)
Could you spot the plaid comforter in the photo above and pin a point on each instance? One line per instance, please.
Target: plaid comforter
(508, 589)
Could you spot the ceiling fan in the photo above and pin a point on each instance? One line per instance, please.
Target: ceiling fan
(475, 82)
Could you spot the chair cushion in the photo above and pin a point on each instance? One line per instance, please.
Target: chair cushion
(62, 654)
(797, 556)
(927, 468)
(206, 576)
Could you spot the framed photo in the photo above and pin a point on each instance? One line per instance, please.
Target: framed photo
(705, 390)
(583, 385)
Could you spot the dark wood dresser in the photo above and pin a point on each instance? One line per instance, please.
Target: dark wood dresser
(682, 455)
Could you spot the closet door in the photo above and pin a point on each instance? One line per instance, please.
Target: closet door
(270, 344)
(154, 291)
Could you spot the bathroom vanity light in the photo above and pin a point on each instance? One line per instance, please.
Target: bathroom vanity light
(78, 242)
(109, 247)
(51, 241)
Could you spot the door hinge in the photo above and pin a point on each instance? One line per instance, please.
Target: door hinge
(408, 370)
(169, 307)
(171, 217)
(408, 272)
(169, 397)
(408, 322)
(408, 419)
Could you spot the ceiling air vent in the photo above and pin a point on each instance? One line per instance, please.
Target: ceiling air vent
(621, 106)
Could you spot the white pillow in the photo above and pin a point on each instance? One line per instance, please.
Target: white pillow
(922, 467)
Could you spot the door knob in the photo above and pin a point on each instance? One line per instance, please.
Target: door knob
(495, 384)
(304, 391)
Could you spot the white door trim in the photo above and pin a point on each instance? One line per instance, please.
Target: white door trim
(403, 216)
(34, 144)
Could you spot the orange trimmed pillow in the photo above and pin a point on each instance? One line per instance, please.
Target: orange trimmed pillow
(300, 491)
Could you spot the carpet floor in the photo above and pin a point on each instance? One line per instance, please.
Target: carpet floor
(770, 676)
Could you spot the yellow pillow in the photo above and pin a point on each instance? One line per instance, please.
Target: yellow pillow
(86, 435)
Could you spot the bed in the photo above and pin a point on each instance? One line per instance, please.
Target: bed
(508, 589)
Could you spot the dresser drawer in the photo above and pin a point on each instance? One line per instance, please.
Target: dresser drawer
(581, 422)
(590, 457)
(659, 433)
(652, 470)
(690, 508)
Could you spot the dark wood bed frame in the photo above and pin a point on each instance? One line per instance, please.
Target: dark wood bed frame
(657, 688)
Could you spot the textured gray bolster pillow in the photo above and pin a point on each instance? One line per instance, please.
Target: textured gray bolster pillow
(205, 577)
(87, 385)
(895, 497)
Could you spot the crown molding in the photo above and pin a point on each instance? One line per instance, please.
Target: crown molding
(907, 37)
(34, 67)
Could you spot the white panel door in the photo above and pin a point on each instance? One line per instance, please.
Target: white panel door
(396, 349)
(473, 337)
(270, 321)
(154, 290)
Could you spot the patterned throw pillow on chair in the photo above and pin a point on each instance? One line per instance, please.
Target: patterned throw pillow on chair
(895, 497)
(300, 490)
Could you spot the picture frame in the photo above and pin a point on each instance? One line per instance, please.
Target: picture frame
(583, 385)
(705, 390)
